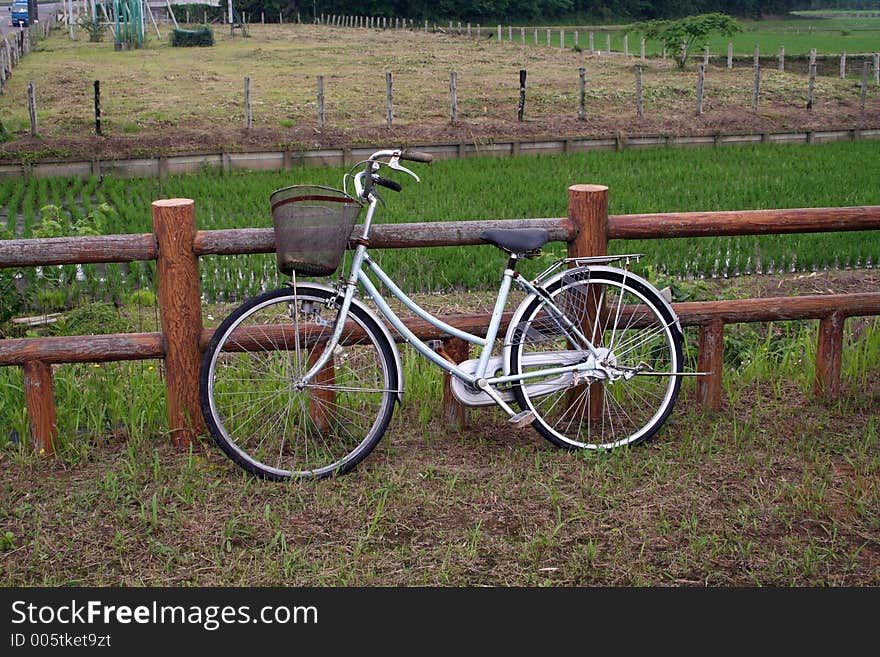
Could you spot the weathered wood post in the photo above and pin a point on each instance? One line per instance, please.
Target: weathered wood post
(248, 112)
(39, 395)
(180, 311)
(32, 108)
(455, 415)
(642, 49)
(591, 41)
(588, 210)
(321, 102)
(710, 360)
(521, 105)
(562, 39)
(843, 65)
(757, 55)
(757, 88)
(812, 87)
(582, 94)
(453, 97)
(701, 76)
(706, 56)
(828, 356)
(877, 69)
(729, 55)
(781, 59)
(97, 107)
(866, 69)
(626, 46)
(389, 86)
(608, 41)
(640, 101)
(548, 36)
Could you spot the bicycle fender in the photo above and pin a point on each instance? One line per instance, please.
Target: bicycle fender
(520, 310)
(398, 364)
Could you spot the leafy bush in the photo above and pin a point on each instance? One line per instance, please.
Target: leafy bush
(92, 319)
(203, 36)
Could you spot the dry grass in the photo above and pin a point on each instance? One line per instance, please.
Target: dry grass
(177, 99)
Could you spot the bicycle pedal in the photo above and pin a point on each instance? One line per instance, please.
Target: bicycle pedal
(522, 419)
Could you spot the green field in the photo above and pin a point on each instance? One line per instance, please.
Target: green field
(640, 181)
(829, 36)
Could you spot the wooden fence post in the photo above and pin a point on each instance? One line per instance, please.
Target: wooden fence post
(588, 210)
(706, 56)
(561, 39)
(828, 356)
(642, 49)
(39, 395)
(453, 97)
(548, 36)
(321, 101)
(701, 76)
(626, 46)
(781, 59)
(757, 55)
(592, 49)
(608, 41)
(843, 65)
(521, 105)
(32, 108)
(812, 88)
(389, 85)
(640, 102)
(729, 55)
(248, 114)
(877, 69)
(710, 359)
(455, 415)
(582, 94)
(866, 69)
(757, 89)
(180, 311)
(97, 107)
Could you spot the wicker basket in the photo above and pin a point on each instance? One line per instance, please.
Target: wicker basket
(312, 226)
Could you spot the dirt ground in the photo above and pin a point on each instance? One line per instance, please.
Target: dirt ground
(164, 101)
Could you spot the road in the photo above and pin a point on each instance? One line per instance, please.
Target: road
(45, 10)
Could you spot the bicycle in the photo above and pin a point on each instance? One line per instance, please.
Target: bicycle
(301, 381)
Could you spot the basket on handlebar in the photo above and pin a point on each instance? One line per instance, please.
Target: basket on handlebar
(312, 226)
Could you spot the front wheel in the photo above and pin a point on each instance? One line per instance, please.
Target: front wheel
(260, 411)
(638, 342)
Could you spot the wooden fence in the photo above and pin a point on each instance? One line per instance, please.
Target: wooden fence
(176, 245)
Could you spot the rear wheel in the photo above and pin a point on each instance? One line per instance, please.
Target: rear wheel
(638, 342)
(261, 413)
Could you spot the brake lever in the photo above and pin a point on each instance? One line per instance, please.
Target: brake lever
(395, 164)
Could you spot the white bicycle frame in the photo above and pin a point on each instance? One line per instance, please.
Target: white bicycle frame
(478, 378)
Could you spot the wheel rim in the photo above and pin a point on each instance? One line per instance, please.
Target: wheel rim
(271, 421)
(594, 413)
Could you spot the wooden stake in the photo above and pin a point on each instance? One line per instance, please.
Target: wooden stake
(39, 394)
(248, 114)
(455, 416)
(640, 107)
(812, 87)
(842, 65)
(729, 55)
(32, 108)
(582, 95)
(321, 102)
(866, 69)
(757, 89)
(97, 107)
(701, 75)
(177, 273)
(591, 43)
(781, 59)
(521, 105)
(828, 356)
(710, 359)
(453, 97)
(389, 85)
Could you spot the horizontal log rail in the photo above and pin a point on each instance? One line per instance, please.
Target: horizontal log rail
(243, 241)
(586, 231)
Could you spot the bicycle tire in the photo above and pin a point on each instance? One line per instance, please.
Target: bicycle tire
(263, 420)
(596, 414)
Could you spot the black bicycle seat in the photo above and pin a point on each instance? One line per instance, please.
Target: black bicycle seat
(519, 241)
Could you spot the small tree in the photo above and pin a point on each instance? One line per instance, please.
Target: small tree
(690, 32)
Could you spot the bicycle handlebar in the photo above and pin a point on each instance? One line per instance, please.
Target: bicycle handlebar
(416, 156)
(385, 182)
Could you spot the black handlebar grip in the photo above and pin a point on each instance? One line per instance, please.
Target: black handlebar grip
(390, 184)
(417, 156)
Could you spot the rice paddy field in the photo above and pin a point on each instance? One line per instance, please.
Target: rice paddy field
(671, 180)
(121, 297)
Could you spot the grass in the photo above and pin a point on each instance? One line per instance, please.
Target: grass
(640, 181)
(181, 104)
(776, 490)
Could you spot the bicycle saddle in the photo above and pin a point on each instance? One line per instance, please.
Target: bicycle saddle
(520, 241)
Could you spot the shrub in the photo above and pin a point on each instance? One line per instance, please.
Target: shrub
(203, 36)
